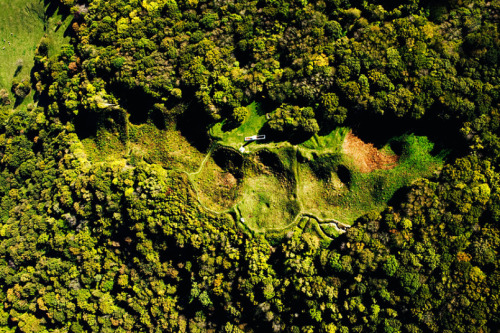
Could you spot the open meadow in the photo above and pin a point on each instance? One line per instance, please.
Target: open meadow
(23, 23)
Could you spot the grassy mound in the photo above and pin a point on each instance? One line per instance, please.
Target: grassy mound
(218, 189)
(268, 199)
(320, 191)
(334, 185)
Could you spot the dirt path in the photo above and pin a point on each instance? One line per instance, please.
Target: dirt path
(210, 151)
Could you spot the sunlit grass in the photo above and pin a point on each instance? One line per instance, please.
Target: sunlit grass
(235, 137)
(23, 23)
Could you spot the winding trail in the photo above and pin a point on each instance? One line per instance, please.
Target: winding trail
(339, 226)
(209, 153)
(190, 177)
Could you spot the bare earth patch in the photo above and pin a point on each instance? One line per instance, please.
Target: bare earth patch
(365, 156)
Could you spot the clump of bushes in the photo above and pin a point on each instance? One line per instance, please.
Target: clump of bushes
(240, 114)
(291, 119)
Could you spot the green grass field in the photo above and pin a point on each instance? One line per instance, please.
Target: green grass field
(218, 189)
(235, 137)
(326, 196)
(267, 204)
(272, 192)
(23, 23)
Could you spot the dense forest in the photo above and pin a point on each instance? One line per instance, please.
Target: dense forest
(90, 245)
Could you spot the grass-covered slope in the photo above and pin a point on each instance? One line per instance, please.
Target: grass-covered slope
(334, 176)
(23, 23)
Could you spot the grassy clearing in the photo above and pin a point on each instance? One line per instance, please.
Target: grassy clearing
(326, 196)
(23, 23)
(166, 147)
(106, 146)
(330, 143)
(312, 227)
(217, 188)
(268, 195)
(330, 230)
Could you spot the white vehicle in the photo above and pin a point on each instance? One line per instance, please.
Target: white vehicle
(255, 138)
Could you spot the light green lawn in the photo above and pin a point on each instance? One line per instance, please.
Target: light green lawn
(330, 143)
(23, 24)
(236, 137)
(269, 205)
(366, 191)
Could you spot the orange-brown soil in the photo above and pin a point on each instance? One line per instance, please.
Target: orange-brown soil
(365, 156)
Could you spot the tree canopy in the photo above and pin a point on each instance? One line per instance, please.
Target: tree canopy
(124, 245)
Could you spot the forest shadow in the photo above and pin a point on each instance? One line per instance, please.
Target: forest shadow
(294, 138)
(86, 125)
(229, 160)
(193, 124)
(18, 101)
(229, 125)
(344, 175)
(399, 197)
(137, 103)
(52, 7)
(379, 131)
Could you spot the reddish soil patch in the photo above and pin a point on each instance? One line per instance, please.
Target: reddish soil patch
(227, 181)
(365, 156)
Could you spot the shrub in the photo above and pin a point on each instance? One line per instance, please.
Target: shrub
(240, 114)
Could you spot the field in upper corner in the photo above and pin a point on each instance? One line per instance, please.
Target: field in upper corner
(23, 23)
(234, 137)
